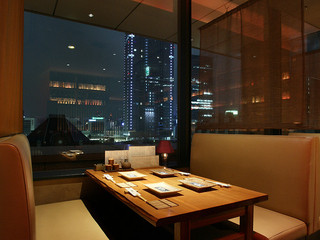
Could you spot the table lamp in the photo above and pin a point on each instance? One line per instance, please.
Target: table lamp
(164, 148)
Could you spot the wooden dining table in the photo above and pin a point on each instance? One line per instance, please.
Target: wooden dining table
(191, 207)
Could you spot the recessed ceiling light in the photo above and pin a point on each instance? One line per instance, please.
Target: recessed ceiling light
(71, 47)
(114, 54)
(90, 15)
(103, 69)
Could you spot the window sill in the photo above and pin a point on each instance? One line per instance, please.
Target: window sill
(62, 173)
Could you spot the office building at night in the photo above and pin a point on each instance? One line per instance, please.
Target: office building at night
(148, 88)
(28, 125)
(79, 97)
(201, 93)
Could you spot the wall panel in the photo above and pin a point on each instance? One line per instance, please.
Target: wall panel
(11, 58)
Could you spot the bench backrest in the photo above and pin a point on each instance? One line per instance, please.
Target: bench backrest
(283, 167)
(17, 209)
(317, 205)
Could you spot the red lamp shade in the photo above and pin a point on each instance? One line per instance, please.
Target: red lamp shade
(164, 147)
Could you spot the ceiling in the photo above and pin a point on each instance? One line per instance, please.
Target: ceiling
(152, 18)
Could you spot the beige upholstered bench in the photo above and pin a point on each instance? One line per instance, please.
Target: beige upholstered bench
(284, 167)
(20, 219)
(68, 220)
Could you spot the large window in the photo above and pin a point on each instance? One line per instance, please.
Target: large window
(90, 89)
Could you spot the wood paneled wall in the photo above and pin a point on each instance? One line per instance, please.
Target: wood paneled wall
(11, 58)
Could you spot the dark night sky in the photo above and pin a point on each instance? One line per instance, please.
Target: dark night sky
(46, 41)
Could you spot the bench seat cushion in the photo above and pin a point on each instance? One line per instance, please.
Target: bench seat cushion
(66, 220)
(276, 226)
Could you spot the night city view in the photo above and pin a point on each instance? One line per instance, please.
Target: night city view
(96, 64)
(91, 86)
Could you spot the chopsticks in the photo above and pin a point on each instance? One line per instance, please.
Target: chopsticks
(135, 193)
(110, 178)
(129, 190)
(220, 184)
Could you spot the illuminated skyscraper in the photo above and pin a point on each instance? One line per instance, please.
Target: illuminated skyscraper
(148, 88)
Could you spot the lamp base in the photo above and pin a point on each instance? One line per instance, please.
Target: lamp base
(164, 159)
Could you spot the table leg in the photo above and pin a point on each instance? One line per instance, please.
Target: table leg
(182, 230)
(246, 223)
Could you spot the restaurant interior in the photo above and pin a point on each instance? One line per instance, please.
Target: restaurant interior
(250, 169)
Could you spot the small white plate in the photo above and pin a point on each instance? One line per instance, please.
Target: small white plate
(163, 172)
(162, 188)
(197, 183)
(132, 175)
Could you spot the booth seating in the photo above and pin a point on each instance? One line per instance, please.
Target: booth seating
(284, 167)
(20, 218)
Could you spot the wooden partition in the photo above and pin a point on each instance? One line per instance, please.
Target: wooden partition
(11, 58)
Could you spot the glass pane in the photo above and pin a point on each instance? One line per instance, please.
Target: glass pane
(88, 89)
(202, 99)
(256, 54)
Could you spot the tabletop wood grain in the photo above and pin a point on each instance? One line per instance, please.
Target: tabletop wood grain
(191, 204)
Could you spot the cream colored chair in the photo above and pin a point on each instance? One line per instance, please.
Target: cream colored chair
(284, 167)
(20, 219)
(17, 210)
